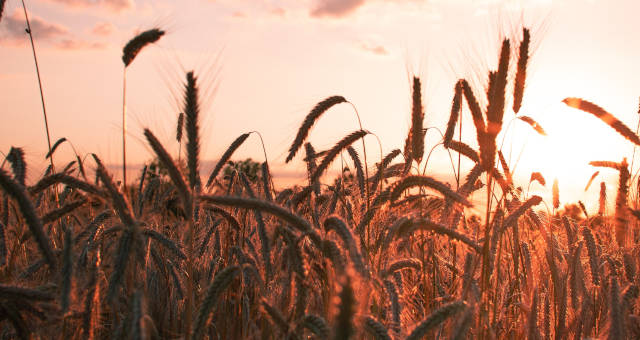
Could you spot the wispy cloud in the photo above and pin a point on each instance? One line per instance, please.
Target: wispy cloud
(279, 11)
(376, 49)
(114, 5)
(78, 44)
(239, 15)
(41, 29)
(335, 8)
(103, 29)
(48, 33)
(118, 5)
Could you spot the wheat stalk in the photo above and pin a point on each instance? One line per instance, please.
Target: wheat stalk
(616, 328)
(336, 224)
(438, 316)
(66, 270)
(621, 212)
(129, 53)
(594, 261)
(402, 264)
(521, 72)
(192, 111)
(417, 118)
(456, 106)
(35, 59)
(344, 322)
(174, 173)
(376, 329)
(359, 172)
(32, 220)
(425, 181)
(426, 224)
(556, 194)
(533, 124)
(219, 284)
(58, 213)
(392, 292)
(602, 201)
(225, 157)
(310, 120)
(604, 116)
(269, 207)
(70, 181)
(137, 43)
(377, 177)
(335, 150)
(18, 165)
(595, 174)
(316, 324)
(120, 203)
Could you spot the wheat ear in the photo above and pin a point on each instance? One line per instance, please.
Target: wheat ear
(335, 150)
(346, 309)
(172, 169)
(521, 72)
(438, 316)
(603, 115)
(417, 180)
(595, 174)
(219, 284)
(417, 118)
(137, 43)
(309, 120)
(376, 329)
(533, 124)
(27, 209)
(455, 113)
(225, 157)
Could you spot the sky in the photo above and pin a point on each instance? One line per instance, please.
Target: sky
(262, 66)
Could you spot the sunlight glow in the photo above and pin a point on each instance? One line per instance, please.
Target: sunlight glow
(574, 139)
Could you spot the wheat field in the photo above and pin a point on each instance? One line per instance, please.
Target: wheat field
(380, 251)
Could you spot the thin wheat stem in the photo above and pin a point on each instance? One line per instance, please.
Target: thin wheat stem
(44, 108)
(124, 129)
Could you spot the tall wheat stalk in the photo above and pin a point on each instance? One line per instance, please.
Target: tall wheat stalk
(129, 53)
(35, 60)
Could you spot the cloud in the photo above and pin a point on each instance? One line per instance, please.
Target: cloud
(279, 11)
(119, 5)
(375, 49)
(71, 44)
(41, 29)
(335, 8)
(48, 33)
(103, 28)
(239, 15)
(114, 5)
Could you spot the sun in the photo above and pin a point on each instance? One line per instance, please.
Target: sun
(572, 140)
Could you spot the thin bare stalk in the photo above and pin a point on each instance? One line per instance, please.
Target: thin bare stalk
(124, 129)
(44, 108)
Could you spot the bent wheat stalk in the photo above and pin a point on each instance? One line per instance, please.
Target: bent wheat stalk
(603, 115)
(309, 120)
(225, 157)
(331, 155)
(417, 180)
(439, 316)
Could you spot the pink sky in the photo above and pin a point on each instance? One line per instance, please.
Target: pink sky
(271, 61)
